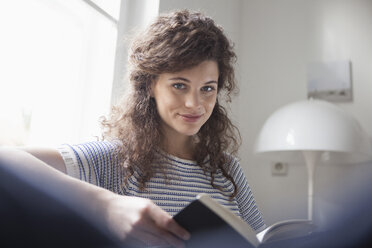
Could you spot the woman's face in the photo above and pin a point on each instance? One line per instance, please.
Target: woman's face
(185, 99)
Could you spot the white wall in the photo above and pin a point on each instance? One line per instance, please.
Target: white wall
(275, 39)
(273, 73)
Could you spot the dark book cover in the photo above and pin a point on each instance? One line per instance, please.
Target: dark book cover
(208, 229)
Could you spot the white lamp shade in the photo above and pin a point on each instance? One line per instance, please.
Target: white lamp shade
(313, 125)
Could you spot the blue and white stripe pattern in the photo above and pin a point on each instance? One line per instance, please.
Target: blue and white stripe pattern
(95, 162)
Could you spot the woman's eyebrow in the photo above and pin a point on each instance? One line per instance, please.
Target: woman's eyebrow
(188, 81)
(211, 82)
(180, 78)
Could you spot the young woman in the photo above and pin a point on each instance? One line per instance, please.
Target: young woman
(170, 138)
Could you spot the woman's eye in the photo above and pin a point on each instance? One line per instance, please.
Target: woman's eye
(208, 88)
(179, 86)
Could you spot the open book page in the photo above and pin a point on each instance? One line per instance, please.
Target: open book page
(287, 229)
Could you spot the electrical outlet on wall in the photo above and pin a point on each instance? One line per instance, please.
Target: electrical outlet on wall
(279, 169)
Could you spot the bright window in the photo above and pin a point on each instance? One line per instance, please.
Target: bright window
(57, 64)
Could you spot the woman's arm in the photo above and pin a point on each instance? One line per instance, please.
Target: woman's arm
(49, 156)
(133, 220)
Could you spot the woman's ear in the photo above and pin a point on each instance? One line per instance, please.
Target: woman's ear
(151, 89)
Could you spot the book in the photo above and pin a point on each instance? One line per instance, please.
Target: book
(213, 225)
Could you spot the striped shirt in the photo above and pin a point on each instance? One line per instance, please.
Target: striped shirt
(96, 163)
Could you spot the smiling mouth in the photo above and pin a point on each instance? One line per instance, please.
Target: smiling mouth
(190, 118)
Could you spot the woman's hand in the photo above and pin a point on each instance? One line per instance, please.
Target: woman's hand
(138, 222)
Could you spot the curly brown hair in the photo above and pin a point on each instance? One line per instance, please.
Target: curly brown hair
(174, 42)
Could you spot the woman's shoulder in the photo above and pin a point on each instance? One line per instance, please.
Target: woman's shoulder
(230, 158)
(232, 164)
(93, 146)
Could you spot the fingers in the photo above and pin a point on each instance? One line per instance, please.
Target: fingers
(139, 220)
(166, 222)
(172, 226)
(161, 233)
(139, 238)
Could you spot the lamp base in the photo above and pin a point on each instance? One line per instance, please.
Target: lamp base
(311, 159)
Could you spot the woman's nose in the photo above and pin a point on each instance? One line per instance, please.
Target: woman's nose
(192, 100)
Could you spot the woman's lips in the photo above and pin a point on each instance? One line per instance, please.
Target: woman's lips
(190, 118)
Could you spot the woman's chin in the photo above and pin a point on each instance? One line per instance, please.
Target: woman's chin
(190, 132)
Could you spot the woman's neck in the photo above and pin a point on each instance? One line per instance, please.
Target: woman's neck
(178, 145)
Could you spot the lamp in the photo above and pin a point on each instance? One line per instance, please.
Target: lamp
(313, 130)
